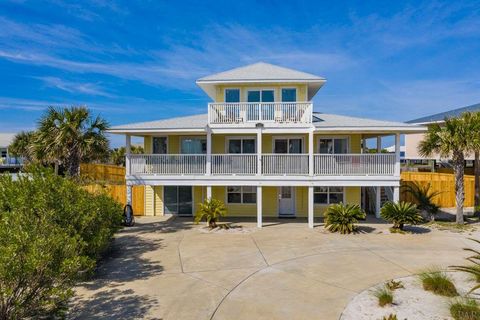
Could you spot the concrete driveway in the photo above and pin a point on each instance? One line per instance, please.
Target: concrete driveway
(174, 270)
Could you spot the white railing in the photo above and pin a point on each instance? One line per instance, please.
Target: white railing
(354, 164)
(237, 164)
(168, 164)
(244, 112)
(272, 164)
(284, 164)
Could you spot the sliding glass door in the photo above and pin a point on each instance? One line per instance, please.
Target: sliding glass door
(178, 200)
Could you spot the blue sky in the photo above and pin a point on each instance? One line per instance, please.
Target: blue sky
(138, 60)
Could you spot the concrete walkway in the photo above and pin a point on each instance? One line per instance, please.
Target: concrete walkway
(174, 270)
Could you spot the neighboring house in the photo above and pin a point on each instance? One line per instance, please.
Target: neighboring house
(6, 159)
(412, 140)
(391, 149)
(262, 150)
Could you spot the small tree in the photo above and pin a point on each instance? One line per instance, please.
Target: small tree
(342, 217)
(22, 145)
(212, 210)
(424, 197)
(400, 214)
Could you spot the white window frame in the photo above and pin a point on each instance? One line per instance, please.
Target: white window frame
(247, 90)
(288, 138)
(328, 195)
(241, 196)
(333, 138)
(166, 141)
(241, 138)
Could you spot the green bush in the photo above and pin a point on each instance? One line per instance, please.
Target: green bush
(424, 196)
(51, 234)
(400, 213)
(439, 283)
(384, 296)
(342, 218)
(212, 210)
(465, 310)
(390, 317)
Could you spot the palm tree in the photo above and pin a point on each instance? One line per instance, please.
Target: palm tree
(117, 155)
(472, 119)
(22, 145)
(450, 139)
(71, 135)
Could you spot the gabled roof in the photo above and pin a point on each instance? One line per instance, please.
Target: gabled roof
(439, 117)
(6, 139)
(321, 121)
(261, 72)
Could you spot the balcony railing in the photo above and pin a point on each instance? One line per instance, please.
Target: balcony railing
(271, 164)
(265, 112)
(354, 164)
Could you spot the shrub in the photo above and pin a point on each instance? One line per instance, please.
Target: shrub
(439, 283)
(394, 285)
(212, 210)
(390, 317)
(51, 234)
(423, 197)
(465, 310)
(474, 268)
(342, 218)
(384, 296)
(400, 213)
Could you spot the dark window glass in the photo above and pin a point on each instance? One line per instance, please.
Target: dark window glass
(295, 146)
(320, 198)
(159, 145)
(232, 95)
(235, 146)
(249, 198)
(281, 146)
(268, 96)
(336, 197)
(253, 96)
(289, 95)
(248, 146)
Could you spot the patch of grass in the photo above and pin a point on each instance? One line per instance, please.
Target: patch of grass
(390, 317)
(394, 285)
(439, 283)
(384, 296)
(465, 310)
(397, 230)
(451, 226)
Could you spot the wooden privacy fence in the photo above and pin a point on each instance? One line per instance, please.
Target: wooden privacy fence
(103, 172)
(119, 193)
(443, 182)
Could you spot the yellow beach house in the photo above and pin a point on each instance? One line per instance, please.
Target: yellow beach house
(260, 148)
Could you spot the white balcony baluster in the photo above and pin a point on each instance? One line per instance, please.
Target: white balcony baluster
(354, 164)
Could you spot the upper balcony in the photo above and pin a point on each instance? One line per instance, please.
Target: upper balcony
(273, 113)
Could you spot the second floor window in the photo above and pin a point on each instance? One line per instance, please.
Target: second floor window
(232, 95)
(241, 145)
(159, 145)
(194, 146)
(333, 145)
(261, 96)
(289, 95)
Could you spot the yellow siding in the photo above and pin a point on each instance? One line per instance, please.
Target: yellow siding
(158, 200)
(149, 201)
(173, 144)
(199, 194)
(147, 144)
(301, 90)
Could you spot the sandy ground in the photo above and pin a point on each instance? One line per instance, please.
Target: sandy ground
(412, 302)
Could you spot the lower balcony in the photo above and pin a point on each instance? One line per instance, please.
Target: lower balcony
(267, 165)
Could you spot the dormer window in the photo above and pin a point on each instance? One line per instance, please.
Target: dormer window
(232, 95)
(289, 95)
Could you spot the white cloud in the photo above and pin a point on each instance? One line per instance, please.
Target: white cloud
(75, 87)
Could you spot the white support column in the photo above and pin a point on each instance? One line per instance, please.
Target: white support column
(310, 207)
(209, 156)
(397, 155)
(378, 201)
(396, 194)
(259, 152)
(379, 144)
(259, 206)
(128, 143)
(209, 192)
(310, 153)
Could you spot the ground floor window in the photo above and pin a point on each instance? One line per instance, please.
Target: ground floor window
(238, 194)
(178, 200)
(328, 195)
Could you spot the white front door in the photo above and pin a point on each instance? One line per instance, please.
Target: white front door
(286, 201)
